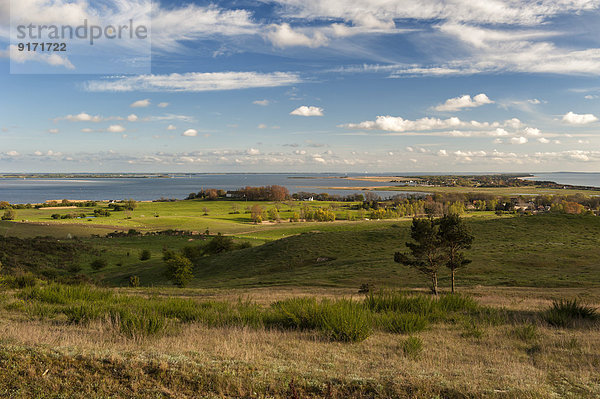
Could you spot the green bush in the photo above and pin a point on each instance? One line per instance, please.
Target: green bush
(179, 270)
(457, 303)
(569, 313)
(20, 281)
(82, 314)
(145, 255)
(298, 313)
(345, 321)
(401, 323)
(98, 264)
(389, 301)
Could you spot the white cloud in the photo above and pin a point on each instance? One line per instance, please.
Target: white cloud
(162, 105)
(399, 124)
(262, 126)
(116, 129)
(264, 103)
(82, 117)
(174, 24)
(518, 140)
(579, 119)
(442, 153)
(284, 36)
(132, 118)
(465, 101)
(543, 140)
(87, 130)
(499, 132)
(532, 132)
(485, 12)
(591, 97)
(171, 127)
(193, 82)
(252, 151)
(307, 111)
(190, 133)
(53, 131)
(12, 153)
(534, 101)
(141, 103)
(22, 57)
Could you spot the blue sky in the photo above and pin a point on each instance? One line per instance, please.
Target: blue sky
(311, 86)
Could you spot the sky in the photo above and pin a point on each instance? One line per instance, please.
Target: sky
(307, 86)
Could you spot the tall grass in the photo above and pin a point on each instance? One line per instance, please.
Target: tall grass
(569, 313)
(343, 320)
(65, 294)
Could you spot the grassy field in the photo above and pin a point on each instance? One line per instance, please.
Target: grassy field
(499, 346)
(284, 319)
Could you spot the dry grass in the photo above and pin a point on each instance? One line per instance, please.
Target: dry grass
(240, 362)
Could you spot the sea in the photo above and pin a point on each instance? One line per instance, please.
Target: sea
(37, 190)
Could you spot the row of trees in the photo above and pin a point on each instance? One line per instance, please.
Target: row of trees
(437, 243)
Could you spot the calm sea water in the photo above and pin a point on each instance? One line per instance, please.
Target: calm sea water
(20, 191)
(577, 179)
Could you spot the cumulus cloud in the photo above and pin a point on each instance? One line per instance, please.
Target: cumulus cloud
(252, 151)
(53, 131)
(132, 118)
(263, 103)
(532, 132)
(193, 82)
(190, 133)
(82, 117)
(162, 105)
(115, 129)
(307, 111)
(141, 103)
(579, 119)
(171, 127)
(465, 101)
(284, 36)
(518, 140)
(399, 124)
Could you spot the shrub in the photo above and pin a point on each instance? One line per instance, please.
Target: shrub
(569, 313)
(145, 255)
(457, 303)
(179, 269)
(298, 313)
(412, 347)
(345, 321)
(82, 314)
(219, 244)
(401, 323)
(9, 214)
(385, 301)
(98, 264)
(134, 281)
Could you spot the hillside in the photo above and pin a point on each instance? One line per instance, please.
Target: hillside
(549, 250)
